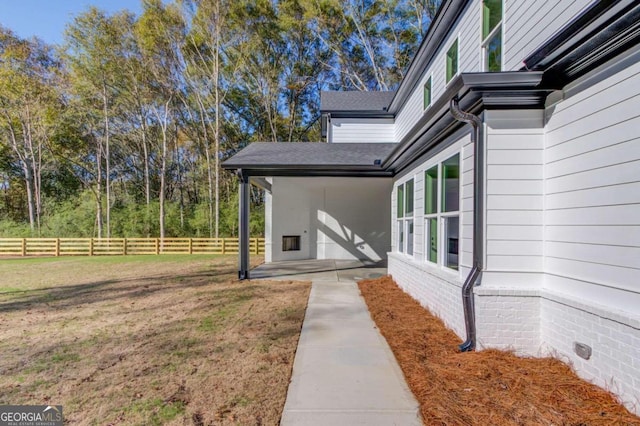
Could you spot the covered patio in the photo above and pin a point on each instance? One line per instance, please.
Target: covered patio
(323, 201)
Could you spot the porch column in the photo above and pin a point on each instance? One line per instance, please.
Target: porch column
(243, 228)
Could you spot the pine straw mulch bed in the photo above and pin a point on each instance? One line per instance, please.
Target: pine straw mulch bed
(490, 387)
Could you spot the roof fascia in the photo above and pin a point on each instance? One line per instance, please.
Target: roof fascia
(603, 30)
(475, 91)
(302, 172)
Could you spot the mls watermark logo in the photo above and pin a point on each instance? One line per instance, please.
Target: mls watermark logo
(31, 415)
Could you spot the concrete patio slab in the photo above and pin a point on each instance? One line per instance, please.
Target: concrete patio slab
(344, 372)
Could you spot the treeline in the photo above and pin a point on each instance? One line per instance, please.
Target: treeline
(121, 130)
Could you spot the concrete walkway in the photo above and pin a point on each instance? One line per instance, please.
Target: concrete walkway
(344, 372)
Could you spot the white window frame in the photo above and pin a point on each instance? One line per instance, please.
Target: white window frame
(407, 221)
(430, 81)
(441, 217)
(489, 37)
(446, 53)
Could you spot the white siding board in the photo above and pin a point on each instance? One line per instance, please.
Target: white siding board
(604, 215)
(514, 263)
(620, 133)
(512, 156)
(600, 119)
(508, 247)
(596, 273)
(503, 140)
(507, 232)
(514, 217)
(628, 193)
(507, 187)
(605, 157)
(626, 257)
(628, 236)
(514, 172)
(514, 202)
(612, 175)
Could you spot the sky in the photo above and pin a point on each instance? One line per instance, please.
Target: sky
(47, 19)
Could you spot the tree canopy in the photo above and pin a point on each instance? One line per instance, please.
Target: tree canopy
(121, 130)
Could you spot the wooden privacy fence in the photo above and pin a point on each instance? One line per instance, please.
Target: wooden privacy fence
(123, 246)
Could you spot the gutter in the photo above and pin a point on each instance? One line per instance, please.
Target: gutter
(475, 275)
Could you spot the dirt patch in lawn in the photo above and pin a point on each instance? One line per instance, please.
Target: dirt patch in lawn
(148, 341)
(489, 387)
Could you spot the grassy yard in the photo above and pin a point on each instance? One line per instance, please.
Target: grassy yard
(147, 339)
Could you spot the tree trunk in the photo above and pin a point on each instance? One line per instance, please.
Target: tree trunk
(107, 158)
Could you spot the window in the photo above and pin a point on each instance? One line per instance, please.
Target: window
(404, 224)
(492, 35)
(442, 212)
(452, 61)
(426, 102)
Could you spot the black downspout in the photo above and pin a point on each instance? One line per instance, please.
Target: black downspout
(475, 275)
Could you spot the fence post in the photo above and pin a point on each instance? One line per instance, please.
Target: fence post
(157, 246)
(24, 247)
(224, 240)
(190, 245)
(57, 247)
(257, 248)
(90, 246)
(124, 247)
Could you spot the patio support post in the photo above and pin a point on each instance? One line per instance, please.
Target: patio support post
(243, 228)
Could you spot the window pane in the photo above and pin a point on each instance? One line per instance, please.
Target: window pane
(410, 237)
(451, 226)
(432, 240)
(409, 198)
(400, 201)
(427, 94)
(491, 15)
(451, 184)
(494, 53)
(452, 61)
(401, 236)
(431, 190)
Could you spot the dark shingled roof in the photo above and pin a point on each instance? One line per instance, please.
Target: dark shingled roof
(310, 155)
(354, 101)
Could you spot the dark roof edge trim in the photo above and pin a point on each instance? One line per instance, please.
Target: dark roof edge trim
(294, 172)
(441, 25)
(602, 31)
(359, 114)
(474, 90)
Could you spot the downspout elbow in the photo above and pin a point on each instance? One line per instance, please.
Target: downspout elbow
(475, 275)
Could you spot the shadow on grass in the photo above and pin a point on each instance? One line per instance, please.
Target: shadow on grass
(69, 296)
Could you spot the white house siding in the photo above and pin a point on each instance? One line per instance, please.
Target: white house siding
(468, 29)
(436, 288)
(529, 23)
(361, 130)
(592, 227)
(507, 302)
(337, 218)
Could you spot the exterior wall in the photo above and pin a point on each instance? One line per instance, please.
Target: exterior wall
(436, 288)
(526, 25)
(514, 188)
(337, 218)
(592, 227)
(361, 130)
(468, 29)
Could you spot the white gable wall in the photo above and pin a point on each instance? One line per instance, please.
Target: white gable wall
(361, 130)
